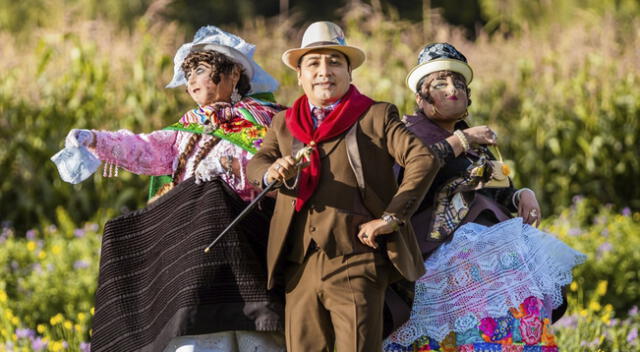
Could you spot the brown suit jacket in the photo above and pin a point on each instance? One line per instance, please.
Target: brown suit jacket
(382, 139)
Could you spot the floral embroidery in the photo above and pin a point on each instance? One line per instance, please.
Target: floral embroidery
(449, 343)
(547, 337)
(532, 306)
(531, 329)
(488, 326)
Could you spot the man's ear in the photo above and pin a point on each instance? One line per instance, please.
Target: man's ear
(350, 76)
(299, 74)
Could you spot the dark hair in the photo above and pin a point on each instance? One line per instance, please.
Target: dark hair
(309, 52)
(220, 63)
(440, 75)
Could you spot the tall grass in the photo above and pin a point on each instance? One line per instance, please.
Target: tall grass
(562, 96)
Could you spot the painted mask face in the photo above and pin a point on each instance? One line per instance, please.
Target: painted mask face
(203, 90)
(449, 99)
(324, 76)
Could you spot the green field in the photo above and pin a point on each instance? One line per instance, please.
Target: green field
(558, 82)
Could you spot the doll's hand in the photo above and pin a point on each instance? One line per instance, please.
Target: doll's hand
(78, 137)
(481, 135)
(529, 209)
(207, 170)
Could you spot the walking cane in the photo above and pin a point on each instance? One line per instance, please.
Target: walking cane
(301, 157)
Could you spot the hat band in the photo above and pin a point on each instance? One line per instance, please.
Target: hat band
(321, 44)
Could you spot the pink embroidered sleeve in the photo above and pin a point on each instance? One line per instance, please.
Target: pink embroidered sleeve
(142, 154)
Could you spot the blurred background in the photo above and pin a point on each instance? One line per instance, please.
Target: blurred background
(558, 80)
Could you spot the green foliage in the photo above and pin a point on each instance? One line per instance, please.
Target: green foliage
(47, 286)
(611, 240)
(73, 82)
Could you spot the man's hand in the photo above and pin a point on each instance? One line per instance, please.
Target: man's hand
(369, 231)
(282, 169)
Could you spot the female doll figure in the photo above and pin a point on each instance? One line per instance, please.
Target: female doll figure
(157, 288)
(492, 282)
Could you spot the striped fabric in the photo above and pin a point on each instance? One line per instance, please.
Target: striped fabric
(156, 282)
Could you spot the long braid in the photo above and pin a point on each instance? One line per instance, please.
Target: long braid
(202, 153)
(182, 159)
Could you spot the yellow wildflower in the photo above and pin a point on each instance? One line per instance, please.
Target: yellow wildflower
(42, 255)
(602, 288)
(31, 246)
(594, 306)
(606, 319)
(41, 329)
(8, 314)
(67, 325)
(15, 321)
(92, 311)
(56, 346)
(583, 312)
(82, 316)
(78, 328)
(574, 286)
(56, 249)
(3, 297)
(56, 319)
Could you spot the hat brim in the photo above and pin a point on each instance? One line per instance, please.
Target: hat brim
(436, 65)
(356, 56)
(230, 52)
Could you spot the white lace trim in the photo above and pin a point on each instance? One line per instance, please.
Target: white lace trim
(483, 272)
(229, 341)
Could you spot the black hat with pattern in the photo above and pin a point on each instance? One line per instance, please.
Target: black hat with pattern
(439, 57)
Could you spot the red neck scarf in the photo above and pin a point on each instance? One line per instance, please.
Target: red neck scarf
(299, 122)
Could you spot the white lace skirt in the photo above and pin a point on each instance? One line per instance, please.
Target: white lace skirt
(229, 341)
(482, 273)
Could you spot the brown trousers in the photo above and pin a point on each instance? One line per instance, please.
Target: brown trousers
(335, 304)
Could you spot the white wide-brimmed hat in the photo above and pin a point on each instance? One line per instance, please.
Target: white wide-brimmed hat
(213, 38)
(323, 35)
(439, 57)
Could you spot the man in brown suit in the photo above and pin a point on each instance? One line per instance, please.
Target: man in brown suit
(340, 231)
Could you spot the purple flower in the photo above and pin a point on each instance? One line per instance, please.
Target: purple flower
(79, 233)
(31, 234)
(85, 347)
(577, 199)
(93, 227)
(25, 333)
(604, 248)
(80, 264)
(633, 311)
(37, 344)
(53, 228)
(15, 265)
(36, 267)
(605, 232)
(568, 321)
(626, 211)
(633, 334)
(575, 231)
